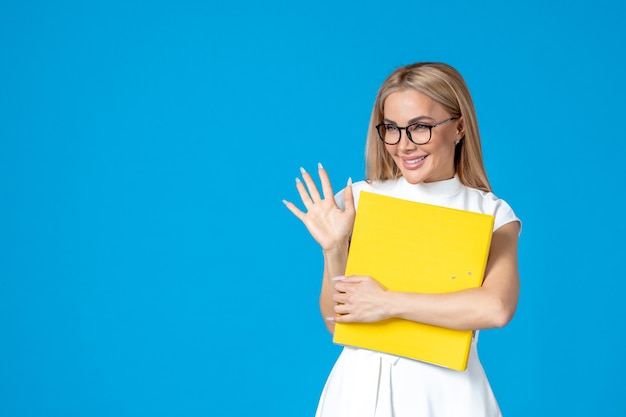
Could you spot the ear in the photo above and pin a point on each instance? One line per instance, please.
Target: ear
(459, 128)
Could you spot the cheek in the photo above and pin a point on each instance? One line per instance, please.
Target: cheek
(391, 149)
(445, 149)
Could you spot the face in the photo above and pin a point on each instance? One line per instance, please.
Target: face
(433, 161)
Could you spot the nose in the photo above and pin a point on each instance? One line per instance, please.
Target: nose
(405, 142)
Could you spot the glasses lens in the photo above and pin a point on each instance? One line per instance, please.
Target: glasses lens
(420, 134)
(389, 133)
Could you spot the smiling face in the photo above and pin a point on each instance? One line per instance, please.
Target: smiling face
(433, 161)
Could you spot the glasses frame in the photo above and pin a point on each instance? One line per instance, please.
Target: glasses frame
(408, 134)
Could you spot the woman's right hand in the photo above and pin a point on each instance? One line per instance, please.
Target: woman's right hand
(326, 222)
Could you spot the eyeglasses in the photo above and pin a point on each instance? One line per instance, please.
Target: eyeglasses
(418, 133)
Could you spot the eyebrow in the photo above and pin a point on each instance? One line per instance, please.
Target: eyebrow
(419, 119)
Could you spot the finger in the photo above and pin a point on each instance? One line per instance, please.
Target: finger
(304, 195)
(342, 309)
(343, 318)
(352, 279)
(295, 210)
(310, 185)
(349, 284)
(327, 188)
(344, 287)
(340, 298)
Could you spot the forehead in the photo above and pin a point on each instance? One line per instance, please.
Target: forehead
(404, 105)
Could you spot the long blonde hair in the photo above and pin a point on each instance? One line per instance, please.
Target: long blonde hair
(446, 86)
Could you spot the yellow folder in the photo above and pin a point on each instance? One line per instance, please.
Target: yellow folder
(415, 247)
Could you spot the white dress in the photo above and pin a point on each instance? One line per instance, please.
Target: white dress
(365, 383)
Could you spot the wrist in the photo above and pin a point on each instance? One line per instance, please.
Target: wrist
(340, 248)
(391, 304)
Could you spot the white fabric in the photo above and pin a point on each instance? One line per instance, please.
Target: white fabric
(364, 383)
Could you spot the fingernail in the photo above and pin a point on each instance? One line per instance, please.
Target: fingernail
(330, 319)
(297, 179)
(284, 201)
(338, 278)
(349, 180)
(319, 165)
(302, 170)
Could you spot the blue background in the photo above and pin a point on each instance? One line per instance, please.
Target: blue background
(147, 264)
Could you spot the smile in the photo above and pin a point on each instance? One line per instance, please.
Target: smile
(415, 161)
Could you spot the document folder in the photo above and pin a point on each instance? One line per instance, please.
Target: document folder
(416, 247)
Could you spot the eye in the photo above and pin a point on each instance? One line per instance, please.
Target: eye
(418, 127)
(391, 128)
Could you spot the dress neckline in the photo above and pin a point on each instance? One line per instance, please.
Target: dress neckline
(437, 189)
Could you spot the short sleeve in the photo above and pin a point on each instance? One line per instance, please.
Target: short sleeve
(504, 214)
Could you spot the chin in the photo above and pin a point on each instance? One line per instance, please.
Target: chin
(414, 178)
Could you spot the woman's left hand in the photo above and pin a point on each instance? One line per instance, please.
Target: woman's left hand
(359, 299)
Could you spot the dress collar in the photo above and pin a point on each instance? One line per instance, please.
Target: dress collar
(437, 189)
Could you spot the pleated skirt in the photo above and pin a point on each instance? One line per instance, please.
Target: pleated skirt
(364, 383)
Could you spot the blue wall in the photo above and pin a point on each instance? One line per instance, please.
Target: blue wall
(147, 265)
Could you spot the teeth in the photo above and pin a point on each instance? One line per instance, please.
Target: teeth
(413, 161)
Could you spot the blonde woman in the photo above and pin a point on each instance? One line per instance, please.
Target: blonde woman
(423, 145)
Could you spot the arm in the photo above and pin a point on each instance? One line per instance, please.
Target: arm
(491, 305)
(330, 227)
(334, 266)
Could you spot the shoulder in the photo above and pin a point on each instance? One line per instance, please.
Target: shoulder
(489, 203)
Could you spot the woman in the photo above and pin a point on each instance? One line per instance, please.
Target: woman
(423, 145)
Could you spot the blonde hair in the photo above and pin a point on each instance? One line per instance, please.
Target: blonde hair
(446, 86)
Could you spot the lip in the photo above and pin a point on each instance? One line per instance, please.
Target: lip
(413, 162)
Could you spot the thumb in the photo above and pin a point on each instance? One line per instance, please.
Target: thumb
(348, 197)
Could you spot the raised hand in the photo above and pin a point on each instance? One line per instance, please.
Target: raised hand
(329, 225)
